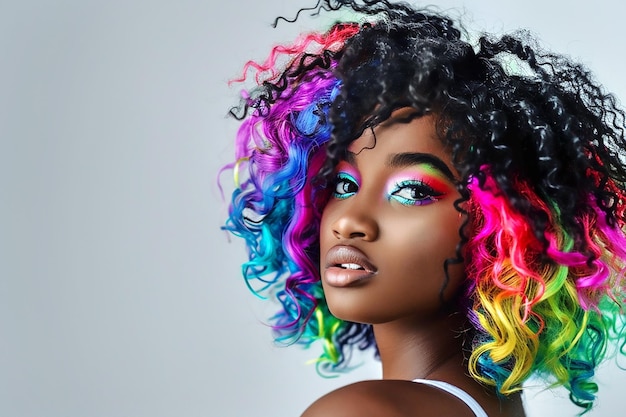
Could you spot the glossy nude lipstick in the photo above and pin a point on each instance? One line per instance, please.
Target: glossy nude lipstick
(346, 265)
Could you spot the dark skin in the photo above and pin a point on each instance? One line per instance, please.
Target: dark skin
(384, 237)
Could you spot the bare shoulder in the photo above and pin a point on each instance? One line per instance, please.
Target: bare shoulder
(387, 398)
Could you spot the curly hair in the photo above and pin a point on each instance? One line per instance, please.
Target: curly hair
(538, 146)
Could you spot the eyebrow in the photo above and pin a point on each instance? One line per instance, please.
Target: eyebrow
(401, 160)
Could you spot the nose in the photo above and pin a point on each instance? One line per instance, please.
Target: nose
(356, 222)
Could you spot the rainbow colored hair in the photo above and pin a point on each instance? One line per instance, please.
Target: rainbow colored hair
(276, 208)
(554, 316)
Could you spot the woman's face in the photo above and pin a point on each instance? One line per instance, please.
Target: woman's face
(390, 225)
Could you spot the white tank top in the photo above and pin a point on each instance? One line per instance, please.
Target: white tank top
(457, 392)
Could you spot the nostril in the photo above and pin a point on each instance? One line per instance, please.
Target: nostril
(355, 227)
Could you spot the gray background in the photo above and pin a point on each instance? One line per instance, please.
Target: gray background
(119, 295)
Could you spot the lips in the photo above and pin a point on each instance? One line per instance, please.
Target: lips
(346, 265)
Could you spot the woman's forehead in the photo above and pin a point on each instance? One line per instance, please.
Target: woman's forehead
(401, 133)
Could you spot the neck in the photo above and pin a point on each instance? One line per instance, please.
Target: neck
(427, 349)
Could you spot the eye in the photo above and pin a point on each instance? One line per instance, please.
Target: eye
(414, 193)
(345, 186)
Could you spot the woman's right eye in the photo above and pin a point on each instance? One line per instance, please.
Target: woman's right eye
(345, 186)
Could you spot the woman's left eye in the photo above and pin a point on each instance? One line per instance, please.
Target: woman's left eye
(414, 193)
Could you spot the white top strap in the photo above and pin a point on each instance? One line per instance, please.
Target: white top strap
(457, 392)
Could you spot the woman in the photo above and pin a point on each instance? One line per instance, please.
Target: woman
(459, 209)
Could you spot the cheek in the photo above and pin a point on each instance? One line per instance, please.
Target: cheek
(325, 231)
(421, 250)
(327, 238)
(427, 236)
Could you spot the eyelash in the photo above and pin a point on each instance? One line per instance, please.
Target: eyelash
(345, 180)
(426, 193)
(346, 186)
